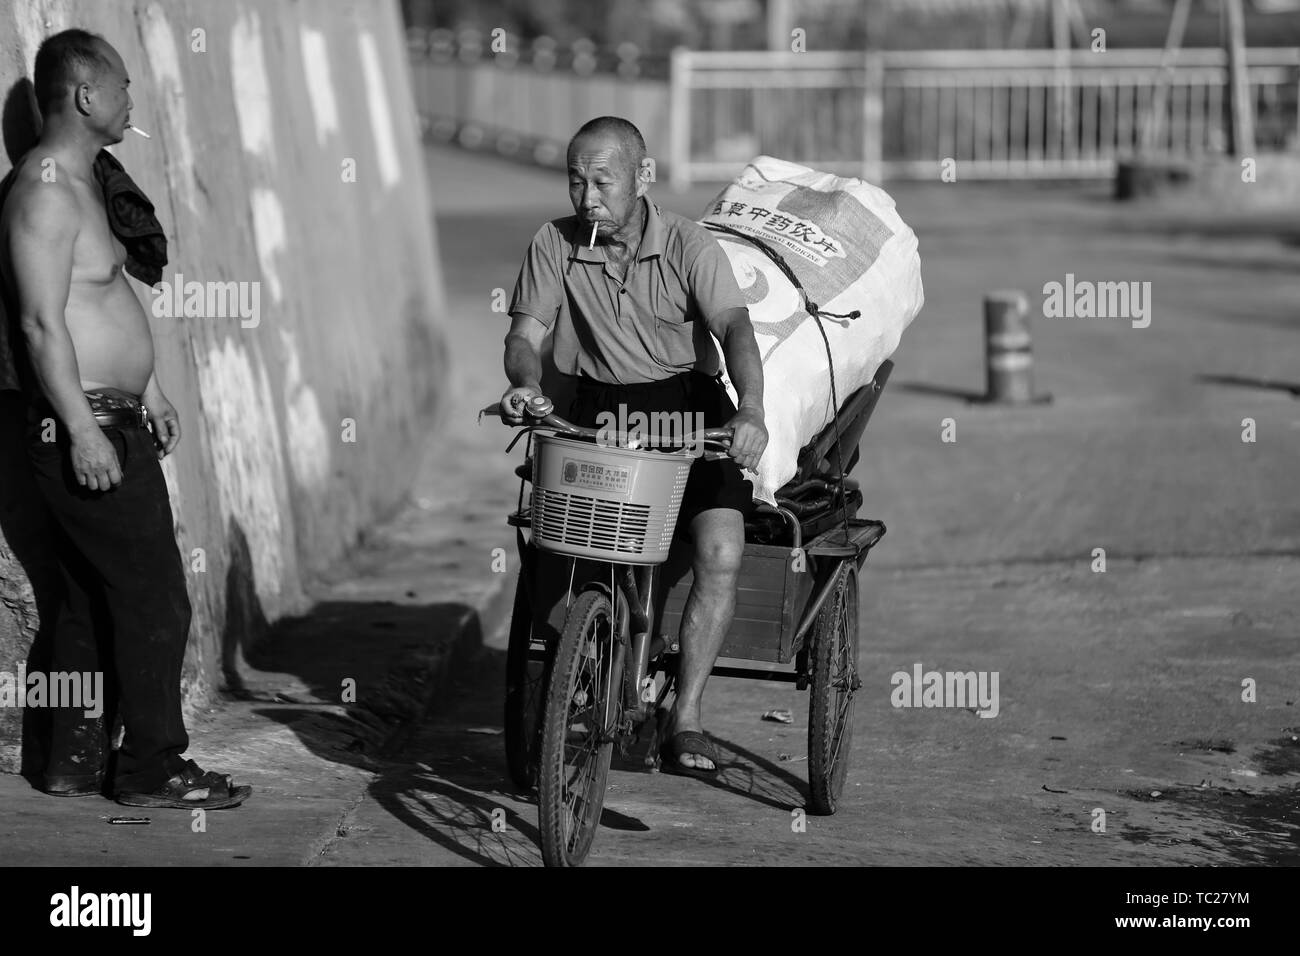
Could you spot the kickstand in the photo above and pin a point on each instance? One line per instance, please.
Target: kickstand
(663, 713)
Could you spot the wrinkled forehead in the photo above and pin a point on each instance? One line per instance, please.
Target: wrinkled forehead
(592, 153)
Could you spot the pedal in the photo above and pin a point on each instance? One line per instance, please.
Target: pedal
(639, 752)
(647, 690)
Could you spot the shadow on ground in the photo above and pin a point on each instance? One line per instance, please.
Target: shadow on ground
(352, 676)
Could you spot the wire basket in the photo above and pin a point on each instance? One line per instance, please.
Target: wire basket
(604, 502)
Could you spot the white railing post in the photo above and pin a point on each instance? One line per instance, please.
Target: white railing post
(1239, 90)
(873, 116)
(679, 119)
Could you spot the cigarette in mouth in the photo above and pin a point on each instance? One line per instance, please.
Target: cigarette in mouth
(592, 244)
(136, 129)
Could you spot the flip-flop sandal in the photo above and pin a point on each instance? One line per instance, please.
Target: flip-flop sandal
(173, 794)
(688, 742)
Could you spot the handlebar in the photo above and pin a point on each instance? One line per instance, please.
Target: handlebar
(540, 410)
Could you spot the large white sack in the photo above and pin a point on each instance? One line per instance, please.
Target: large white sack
(850, 250)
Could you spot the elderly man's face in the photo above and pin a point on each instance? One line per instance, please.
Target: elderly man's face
(604, 185)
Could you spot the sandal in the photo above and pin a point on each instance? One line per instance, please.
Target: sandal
(688, 742)
(180, 792)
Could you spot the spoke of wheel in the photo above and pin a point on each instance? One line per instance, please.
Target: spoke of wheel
(573, 752)
(575, 762)
(841, 721)
(844, 684)
(582, 759)
(580, 797)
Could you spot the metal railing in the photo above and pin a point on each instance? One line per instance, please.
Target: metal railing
(1012, 114)
(819, 109)
(992, 113)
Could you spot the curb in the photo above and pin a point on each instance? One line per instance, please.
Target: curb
(418, 680)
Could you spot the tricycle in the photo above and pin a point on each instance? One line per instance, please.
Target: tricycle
(593, 645)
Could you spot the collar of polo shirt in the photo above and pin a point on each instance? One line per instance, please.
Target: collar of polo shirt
(652, 239)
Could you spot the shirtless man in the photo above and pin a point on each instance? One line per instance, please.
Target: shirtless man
(88, 368)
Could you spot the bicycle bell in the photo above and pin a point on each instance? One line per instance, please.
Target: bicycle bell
(539, 406)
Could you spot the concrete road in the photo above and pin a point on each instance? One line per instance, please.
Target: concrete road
(1119, 693)
(1125, 691)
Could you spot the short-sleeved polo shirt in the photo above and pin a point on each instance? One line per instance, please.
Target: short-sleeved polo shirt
(648, 326)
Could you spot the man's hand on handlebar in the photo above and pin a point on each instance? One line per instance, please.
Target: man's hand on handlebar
(513, 402)
(749, 438)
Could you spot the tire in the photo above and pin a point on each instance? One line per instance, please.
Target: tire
(585, 682)
(834, 664)
(525, 695)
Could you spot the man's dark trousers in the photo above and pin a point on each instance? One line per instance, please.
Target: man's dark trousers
(116, 550)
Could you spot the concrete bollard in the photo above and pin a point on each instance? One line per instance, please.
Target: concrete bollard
(1008, 358)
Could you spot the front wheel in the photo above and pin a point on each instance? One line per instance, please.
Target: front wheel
(583, 714)
(834, 664)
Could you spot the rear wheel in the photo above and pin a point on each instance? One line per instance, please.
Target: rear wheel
(834, 664)
(525, 694)
(583, 714)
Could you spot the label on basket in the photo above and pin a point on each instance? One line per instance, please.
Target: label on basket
(596, 475)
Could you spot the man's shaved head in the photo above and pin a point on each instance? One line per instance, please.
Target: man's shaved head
(65, 60)
(612, 128)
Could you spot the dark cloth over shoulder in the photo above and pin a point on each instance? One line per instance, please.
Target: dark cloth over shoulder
(131, 217)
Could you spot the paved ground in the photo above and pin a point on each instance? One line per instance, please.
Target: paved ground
(1119, 693)
(1113, 687)
(1119, 690)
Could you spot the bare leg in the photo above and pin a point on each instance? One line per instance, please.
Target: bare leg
(719, 546)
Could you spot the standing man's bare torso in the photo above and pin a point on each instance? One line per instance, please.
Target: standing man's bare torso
(108, 327)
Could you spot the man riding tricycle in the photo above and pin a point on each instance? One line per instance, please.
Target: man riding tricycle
(642, 523)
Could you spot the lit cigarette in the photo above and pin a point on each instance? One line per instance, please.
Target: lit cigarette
(136, 129)
(592, 244)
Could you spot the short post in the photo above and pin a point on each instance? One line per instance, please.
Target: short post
(1008, 358)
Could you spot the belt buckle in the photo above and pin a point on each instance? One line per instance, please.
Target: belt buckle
(143, 414)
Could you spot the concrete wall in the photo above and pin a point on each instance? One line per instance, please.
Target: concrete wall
(258, 109)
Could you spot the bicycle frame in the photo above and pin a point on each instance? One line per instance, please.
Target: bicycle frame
(637, 597)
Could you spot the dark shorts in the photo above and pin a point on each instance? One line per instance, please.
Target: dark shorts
(713, 484)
